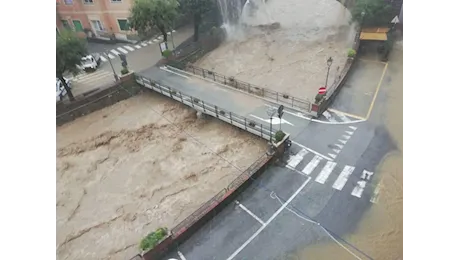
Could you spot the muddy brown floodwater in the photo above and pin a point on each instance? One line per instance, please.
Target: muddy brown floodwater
(291, 59)
(124, 171)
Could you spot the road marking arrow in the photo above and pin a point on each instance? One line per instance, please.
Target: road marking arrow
(275, 120)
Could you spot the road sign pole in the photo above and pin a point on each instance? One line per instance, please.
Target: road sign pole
(271, 129)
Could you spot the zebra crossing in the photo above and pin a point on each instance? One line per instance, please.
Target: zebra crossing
(113, 53)
(332, 174)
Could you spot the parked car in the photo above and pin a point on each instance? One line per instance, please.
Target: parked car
(90, 62)
(61, 92)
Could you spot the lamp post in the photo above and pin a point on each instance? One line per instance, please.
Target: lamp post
(271, 112)
(114, 74)
(329, 63)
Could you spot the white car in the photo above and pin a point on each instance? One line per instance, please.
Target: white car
(60, 90)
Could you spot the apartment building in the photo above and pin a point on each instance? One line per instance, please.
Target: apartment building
(95, 18)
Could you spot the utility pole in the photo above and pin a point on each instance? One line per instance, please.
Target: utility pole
(113, 70)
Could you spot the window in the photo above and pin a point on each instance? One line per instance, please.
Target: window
(66, 24)
(116, 1)
(97, 25)
(123, 23)
(68, 2)
(88, 2)
(78, 26)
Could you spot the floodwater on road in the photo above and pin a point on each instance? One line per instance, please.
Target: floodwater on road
(380, 232)
(291, 59)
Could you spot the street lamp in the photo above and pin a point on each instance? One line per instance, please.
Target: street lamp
(114, 74)
(329, 63)
(271, 112)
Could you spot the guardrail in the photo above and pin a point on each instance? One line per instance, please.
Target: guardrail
(207, 108)
(303, 105)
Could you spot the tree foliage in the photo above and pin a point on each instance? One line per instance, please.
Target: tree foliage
(376, 12)
(196, 9)
(69, 50)
(148, 14)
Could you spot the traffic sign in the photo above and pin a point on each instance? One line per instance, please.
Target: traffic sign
(322, 90)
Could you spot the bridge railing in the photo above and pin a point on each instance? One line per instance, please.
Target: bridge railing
(207, 108)
(274, 96)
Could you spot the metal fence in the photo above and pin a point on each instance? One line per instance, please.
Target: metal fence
(207, 108)
(274, 96)
(214, 201)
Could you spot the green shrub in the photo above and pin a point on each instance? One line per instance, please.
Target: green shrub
(124, 71)
(152, 239)
(351, 53)
(167, 53)
(279, 135)
(319, 97)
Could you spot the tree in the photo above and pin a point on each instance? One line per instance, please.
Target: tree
(376, 12)
(196, 9)
(69, 50)
(147, 14)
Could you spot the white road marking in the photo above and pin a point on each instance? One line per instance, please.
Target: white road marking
(169, 33)
(353, 127)
(359, 188)
(296, 159)
(312, 151)
(143, 44)
(182, 257)
(366, 175)
(346, 136)
(156, 40)
(111, 56)
(349, 132)
(336, 150)
(122, 50)
(332, 155)
(269, 220)
(312, 165)
(173, 72)
(250, 212)
(300, 115)
(324, 174)
(343, 141)
(375, 196)
(160, 37)
(150, 42)
(92, 77)
(129, 47)
(138, 47)
(275, 120)
(339, 145)
(115, 52)
(104, 59)
(343, 177)
(173, 31)
(329, 116)
(343, 117)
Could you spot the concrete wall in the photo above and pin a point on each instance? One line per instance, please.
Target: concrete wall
(89, 102)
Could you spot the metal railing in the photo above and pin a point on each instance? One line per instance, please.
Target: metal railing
(207, 108)
(274, 96)
(214, 201)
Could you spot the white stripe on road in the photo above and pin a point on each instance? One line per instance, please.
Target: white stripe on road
(269, 220)
(129, 48)
(155, 40)
(332, 155)
(174, 31)
(366, 175)
(92, 77)
(182, 257)
(339, 145)
(115, 52)
(312, 165)
(342, 116)
(143, 44)
(328, 116)
(138, 47)
(375, 197)
(160, 37)
(343, 141)
(296, 159)
(249, 212)
(336, 150)
(104, 59)
(346, 136)
(324, 174)
(169, 33)
(312, 151)
(349, 132)
(359, 188)
(122, 50)
(111, 56)
(343, 177)
(149, 42)
(353, 127)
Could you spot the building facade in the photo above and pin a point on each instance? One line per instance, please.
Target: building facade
(95, 18)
